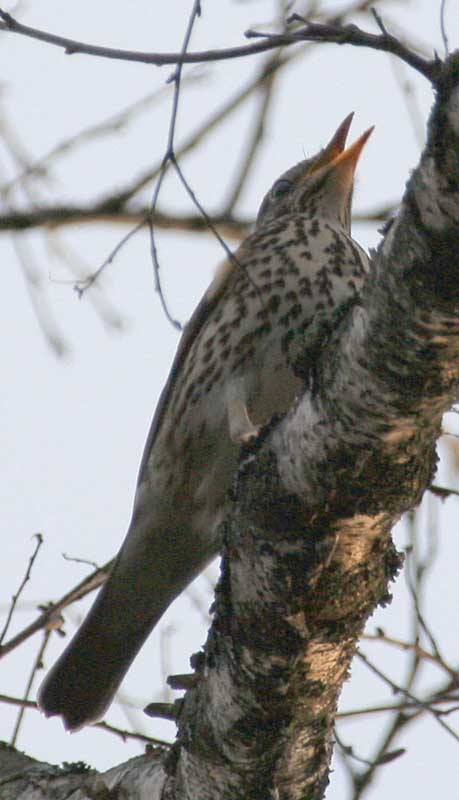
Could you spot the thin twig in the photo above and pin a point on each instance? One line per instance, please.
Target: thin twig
(102, 726)
(444, 35)
(442, 492)
(33, 276)
(415, 574)
(26, 578)
(64, 253)
(348, 750)
(35, 667)
(176, 78)
(81, 286)
(53, 610)
(415, 648)
(400, 708)
(230, 255)
(34, 279)
(401, 719)
(409, 695)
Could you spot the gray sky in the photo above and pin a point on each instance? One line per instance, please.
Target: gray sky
(73, 429)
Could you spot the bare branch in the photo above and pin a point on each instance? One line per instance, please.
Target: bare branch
(64, 215)
(103, 726)
(36, 666)
(434, 658)
(59, 216)
(416, 701)
(168, 158)
(50, 614)
(63, 252)
(444, 35)
(34, 279)
(312, 32)
(26, 578)
(442, 492)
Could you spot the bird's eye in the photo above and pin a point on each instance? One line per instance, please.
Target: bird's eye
(281, 187)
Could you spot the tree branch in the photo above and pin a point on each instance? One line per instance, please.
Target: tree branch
(311, 32)
(308, 552)
(232, 227)
(50, 616)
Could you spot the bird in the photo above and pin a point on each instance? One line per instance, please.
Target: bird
(234, 369)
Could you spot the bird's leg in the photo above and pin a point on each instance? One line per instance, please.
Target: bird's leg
(241, 428)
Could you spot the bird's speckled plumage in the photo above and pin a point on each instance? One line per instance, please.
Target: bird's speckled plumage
(233, 370)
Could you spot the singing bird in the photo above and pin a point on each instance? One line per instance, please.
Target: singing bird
(233, 370)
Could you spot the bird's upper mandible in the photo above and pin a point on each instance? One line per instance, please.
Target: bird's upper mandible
(318, 185)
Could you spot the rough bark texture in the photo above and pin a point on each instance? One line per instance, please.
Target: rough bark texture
(23, 778)
(308, 552)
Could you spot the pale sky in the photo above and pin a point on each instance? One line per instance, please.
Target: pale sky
(73, 429)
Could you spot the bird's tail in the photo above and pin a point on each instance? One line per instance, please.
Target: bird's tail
(84, 680)
(148, 574)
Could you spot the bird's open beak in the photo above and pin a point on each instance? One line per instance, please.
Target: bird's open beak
(335, 146)
(343, 165)
(332, 171)
(339, 160)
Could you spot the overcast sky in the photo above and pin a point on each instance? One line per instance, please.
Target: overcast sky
(73, 428)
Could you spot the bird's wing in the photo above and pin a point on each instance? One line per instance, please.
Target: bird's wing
(226, 272)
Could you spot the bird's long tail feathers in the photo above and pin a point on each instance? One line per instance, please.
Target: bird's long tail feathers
(145, 580)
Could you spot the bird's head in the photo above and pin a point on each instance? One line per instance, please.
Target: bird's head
(318, 186)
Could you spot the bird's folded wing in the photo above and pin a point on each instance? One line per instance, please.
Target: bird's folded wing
(225, 274)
